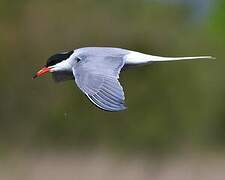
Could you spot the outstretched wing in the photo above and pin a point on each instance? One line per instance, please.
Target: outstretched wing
(98, 77)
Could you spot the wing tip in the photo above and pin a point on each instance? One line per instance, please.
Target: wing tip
(121, 108)
(101, 106)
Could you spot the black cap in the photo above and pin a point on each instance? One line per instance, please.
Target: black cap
(57, 58)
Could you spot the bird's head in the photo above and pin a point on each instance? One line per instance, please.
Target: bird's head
(56, 62)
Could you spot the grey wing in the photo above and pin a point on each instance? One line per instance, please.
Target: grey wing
(98, 79)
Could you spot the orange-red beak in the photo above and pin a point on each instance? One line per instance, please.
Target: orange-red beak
(43, 71)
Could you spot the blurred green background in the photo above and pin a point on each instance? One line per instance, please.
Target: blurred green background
(171, 106)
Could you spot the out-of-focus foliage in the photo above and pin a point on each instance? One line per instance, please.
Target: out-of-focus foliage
(170, 105)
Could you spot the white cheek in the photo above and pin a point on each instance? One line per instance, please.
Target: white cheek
(53, 69)
(62, 66)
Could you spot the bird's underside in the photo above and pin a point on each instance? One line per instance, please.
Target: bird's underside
(97, 73)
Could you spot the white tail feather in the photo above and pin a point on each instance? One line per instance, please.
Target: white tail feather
(135, 58)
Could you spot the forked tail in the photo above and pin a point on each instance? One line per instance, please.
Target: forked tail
(135, 58)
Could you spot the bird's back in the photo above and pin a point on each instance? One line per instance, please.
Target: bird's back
(103, 51)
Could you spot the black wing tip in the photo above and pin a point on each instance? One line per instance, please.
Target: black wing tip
(104, 107)
(123, 108)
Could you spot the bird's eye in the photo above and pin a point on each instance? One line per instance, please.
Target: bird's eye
(78, 59)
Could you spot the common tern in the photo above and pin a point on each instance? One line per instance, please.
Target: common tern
(96, 71)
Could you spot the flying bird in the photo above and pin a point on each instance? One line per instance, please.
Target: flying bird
(96, 71)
